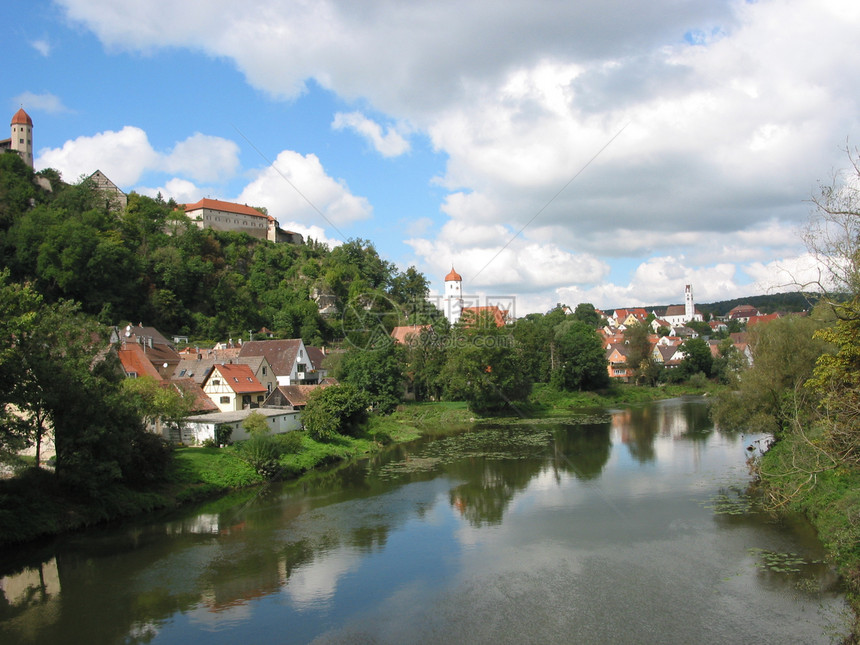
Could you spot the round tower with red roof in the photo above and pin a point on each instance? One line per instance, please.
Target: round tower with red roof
(22, 136)
(453, 301)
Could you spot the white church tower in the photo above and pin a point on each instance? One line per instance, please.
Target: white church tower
(22, 136)
(689, 307)
(453, 300)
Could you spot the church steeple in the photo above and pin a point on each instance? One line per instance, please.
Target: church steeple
(453, 296)
(22, 136)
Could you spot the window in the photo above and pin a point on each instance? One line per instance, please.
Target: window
(132, 375)
(225, 399)
(260, 397)
(264, 371)
(216, 381)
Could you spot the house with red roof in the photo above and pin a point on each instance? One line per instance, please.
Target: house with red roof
(475, 315)
(228, 216)
(234, 387)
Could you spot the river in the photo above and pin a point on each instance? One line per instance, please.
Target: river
(630, 526)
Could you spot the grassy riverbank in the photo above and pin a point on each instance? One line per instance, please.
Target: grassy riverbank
(34, 505)
(796, 476)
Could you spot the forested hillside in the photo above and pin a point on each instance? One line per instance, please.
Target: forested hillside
(149, 263)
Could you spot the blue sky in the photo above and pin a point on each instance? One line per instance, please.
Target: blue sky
(471, 134)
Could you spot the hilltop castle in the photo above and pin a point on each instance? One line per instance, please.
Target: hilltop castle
(21, 140)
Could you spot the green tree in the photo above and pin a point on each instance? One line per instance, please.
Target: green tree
(377, 371)
(586, 313)
(484, 368)
(582, 361)
(770, 395)
(697, 358)
(157, 402)
(333, 410)
(638, 340)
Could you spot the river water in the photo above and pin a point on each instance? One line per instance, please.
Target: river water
(633, 527)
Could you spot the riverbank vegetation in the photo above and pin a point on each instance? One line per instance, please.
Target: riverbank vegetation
(804, 388)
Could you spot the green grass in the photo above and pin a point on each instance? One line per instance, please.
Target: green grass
(796, 478)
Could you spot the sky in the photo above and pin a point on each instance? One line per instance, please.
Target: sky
(598, 151)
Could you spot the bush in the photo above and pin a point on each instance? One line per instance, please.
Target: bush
(291, 442)
(261, 452)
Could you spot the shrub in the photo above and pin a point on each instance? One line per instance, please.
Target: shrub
(261, 452)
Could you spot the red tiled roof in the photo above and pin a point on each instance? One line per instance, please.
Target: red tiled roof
(500, 316)
(22, 118)
(187, 387)
(135, 361)
(402, 335)
(227, 207)
(239, 378)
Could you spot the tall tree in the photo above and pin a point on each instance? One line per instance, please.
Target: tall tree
(581, 362)
(484, 368)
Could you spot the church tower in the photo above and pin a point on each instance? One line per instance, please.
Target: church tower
(22, 136)
(689, 307)
(453, 301)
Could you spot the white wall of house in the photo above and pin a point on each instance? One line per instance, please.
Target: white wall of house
(198, 429)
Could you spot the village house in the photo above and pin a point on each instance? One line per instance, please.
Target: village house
(233, 387)
(200, 428)
(294, 397)
(617, 356)
(288, 358)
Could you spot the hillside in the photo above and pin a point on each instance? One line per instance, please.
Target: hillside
(148, 263)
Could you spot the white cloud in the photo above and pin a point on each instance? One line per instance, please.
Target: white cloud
(181, 191)
(390, 144)
(42, 45)
(45, 102)
(297, 187)
(122, 156)
(204, 158)
(729, 123)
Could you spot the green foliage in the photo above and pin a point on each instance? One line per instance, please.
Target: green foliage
(335, 410)
(697, 358)
(585, 312)
(639, 356)
(484, 369)
(261, 452)
(256, 424)
(377, 372)
(581, 361)
(771, 396)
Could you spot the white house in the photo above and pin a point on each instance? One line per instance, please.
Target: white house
(233, 387)
(199, 428)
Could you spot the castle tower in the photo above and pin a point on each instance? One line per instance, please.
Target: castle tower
(689, 307)
(22, 136)
(453, 301)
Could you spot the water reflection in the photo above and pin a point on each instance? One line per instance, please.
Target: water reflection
(538, 507)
